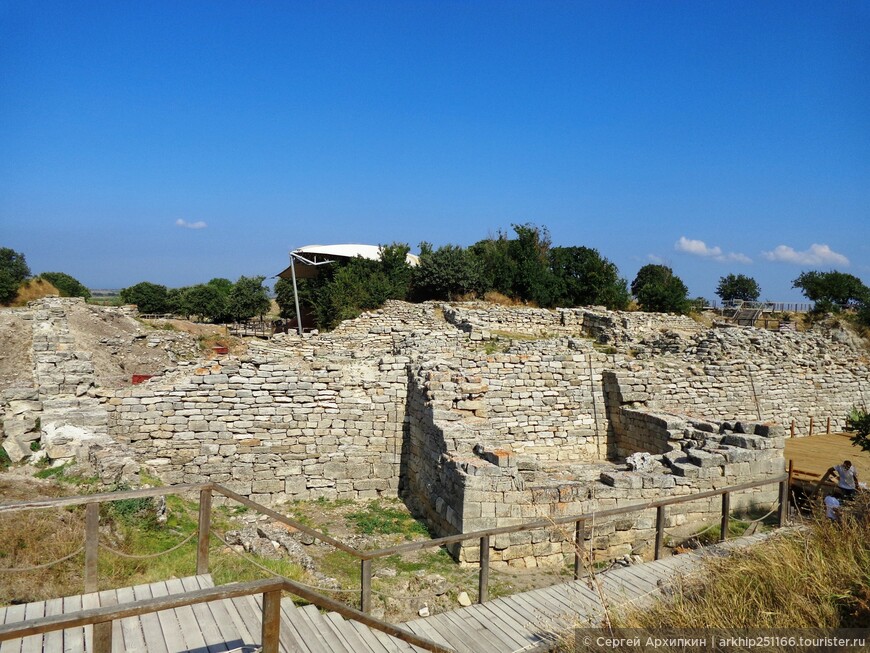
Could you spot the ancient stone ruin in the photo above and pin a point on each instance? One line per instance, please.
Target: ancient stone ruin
(476, 415)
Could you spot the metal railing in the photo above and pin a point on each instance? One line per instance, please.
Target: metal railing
(105, 616)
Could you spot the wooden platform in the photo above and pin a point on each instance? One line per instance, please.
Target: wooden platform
(225, 625)
(522, 622)
(814, 454)
(530, 621)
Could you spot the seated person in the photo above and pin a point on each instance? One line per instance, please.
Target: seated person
(832, 508)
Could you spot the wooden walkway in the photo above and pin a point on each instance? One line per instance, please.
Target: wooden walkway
(228, 625)
(522, 622)
(530, 621)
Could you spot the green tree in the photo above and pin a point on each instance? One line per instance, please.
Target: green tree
(446, 273)
(518, 267)
(858, 421)
(585, 278)
(176, 300)
(148, 297)
(738, 286)
(284, 298)
(67, 285)
(248, 298)
(207, 301)
(658, 289)
(832, 291)
(533, 279)
(13, 272)
(494, 260)
(394, 265)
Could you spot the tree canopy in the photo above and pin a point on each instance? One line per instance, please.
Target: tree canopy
(446, 273)
(658, 289)
(13, 272)
(585, 278)
(148, 297)
(67, 285)
(832, 291)
(738, 286)
(248, 298)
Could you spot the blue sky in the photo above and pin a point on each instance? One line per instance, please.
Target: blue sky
(175, 142)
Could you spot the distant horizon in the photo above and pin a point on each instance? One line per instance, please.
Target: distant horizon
(174, 143)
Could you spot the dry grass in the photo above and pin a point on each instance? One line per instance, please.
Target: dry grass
(494, 297)
(36, 537)
(818, 577)
(34, 289)
(814, 577)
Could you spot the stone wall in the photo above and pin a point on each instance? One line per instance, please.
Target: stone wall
(749, 374)
(273, 430)
(464, 473)
(60, 419)
(421, 400)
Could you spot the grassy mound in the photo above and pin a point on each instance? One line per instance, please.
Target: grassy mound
(34, 289)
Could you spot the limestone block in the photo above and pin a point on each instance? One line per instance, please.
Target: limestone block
(705, 458)
(737, 454)
(16, 450)
(21, 406)
(746, 441)
(22, 428)
(686, 470)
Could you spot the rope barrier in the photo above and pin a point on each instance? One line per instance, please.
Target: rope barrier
(146, 556)
(272, 571)
(47, 564)
(774, 508)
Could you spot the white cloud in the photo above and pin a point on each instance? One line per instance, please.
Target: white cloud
(815, 255)
(199, 224)
(699, 248)
(658, 260)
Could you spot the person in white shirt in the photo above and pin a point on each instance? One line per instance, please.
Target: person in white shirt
(847, 478)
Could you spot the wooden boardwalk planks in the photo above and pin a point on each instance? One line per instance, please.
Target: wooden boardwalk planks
(523, 621)
(505, 625)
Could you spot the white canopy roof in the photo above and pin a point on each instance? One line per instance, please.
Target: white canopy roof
(306, 259)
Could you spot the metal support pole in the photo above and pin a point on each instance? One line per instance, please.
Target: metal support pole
(203, 532)
(92, 537)
(483, 581)
(295, 293)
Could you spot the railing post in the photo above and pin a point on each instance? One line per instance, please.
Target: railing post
(783, 502)
(365, 600)
(792, 428)
(726, 513)
(660, 531)
(204, 531)
(92, 538)
(579, 537)
(483, 580)
(103, 637)
(271, 621)
(828, 428)
(811, 424)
